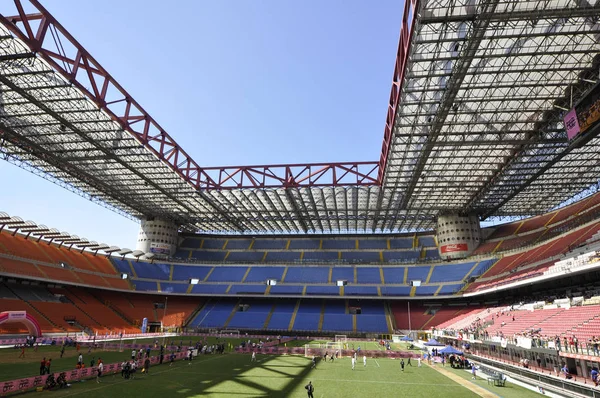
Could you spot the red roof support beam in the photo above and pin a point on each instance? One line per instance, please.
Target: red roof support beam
(294, 175)
(408, 23)
(45, 36)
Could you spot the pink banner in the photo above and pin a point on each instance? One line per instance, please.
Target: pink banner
(571, 124)
(29, 383)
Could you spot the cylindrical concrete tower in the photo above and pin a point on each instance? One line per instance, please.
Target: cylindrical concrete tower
(457, 235)
(158, 237)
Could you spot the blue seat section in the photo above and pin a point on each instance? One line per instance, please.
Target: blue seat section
(180, 253)
(214, 314)
(280, 321)
(450, 289)
(203, 288)
(335, 307)
(320, 256)
(310, 307)
(323, 290)
(395, 291)
(372, 244)
(307, 275)
(371, 323)
(305, 244)
(432, 254)
(393, 275)
(216, 256)
(261, 274)
(306, 322)
(227, 274)
(282, 315)
(248, 320)
(369, 307)
(213, 243)
(405, 256)
(269, 244)
(307, 317)
(254, 257)
(482, 267)
(121, 265)
(361, 257)
(144, 286)
(337, 323)
(426, 290)
(286, 289)
(339, 244)
(193, 243)
(360, 291)
(401, 243)
(173, 287)
(152, 271)
(238, 244)
(288, 256)
(417, 273)
(247, 289)
(450, 273)
(368, 275)
(426, 241)
(185, 272)
(253, 318)
(342, 274)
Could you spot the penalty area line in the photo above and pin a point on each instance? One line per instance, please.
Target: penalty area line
(376, 363)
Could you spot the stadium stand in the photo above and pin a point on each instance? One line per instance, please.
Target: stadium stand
(360, 250)
(282, 314)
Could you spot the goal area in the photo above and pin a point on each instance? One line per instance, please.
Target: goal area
(229, 333)
(341, 338)
(319, 349)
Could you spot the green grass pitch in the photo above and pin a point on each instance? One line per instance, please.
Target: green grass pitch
(234, 375)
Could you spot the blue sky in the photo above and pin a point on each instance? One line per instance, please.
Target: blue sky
(234, 82)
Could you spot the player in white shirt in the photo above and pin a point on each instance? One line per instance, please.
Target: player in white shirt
(133, 355)
(253, 357)
(353, 362)
(100, 370)
(419, 361)
(364, 361)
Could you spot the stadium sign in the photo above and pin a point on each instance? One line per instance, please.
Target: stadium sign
(160, 248)
(585, 114)
(456, 247)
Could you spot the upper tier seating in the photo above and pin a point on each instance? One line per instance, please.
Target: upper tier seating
(360, 250)
(152, 271)
(537, 229)
(510, 264)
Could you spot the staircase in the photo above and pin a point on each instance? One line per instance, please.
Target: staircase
(266, 324)
(235, 309)
(194, 313)
(113, 309)
(35, 309)
(391, 321)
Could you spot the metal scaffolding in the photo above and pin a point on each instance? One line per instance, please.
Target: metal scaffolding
(474, 125)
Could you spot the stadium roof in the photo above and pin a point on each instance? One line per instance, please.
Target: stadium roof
(474, 124)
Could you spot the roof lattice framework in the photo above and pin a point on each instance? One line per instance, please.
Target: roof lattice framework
(474, 125)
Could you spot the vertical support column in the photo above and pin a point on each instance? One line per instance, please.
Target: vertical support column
(158, 237)
(458, 235)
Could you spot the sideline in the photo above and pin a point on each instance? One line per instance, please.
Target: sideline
(482, 392)
(108, 384)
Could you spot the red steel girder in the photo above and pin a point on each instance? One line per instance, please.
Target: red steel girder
(46, 37)
(408, 23)
(296, 175)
